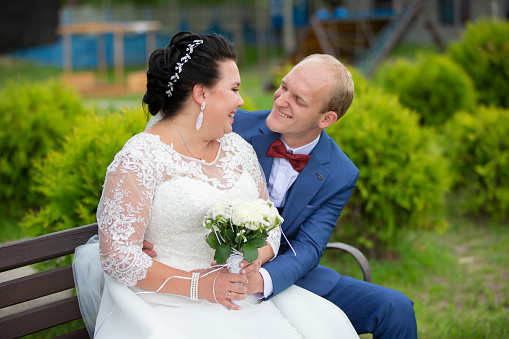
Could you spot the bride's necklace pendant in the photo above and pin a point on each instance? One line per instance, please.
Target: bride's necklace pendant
(185, 145)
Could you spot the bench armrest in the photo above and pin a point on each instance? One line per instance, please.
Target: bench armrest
(361, 259)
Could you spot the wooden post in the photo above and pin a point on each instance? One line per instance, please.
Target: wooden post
(101, 55)
(118, 46)
(238, 34)
(288, 27)
(67, 52)
(150, 43)
(261, 13)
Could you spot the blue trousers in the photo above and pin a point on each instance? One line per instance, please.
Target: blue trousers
(371, 308)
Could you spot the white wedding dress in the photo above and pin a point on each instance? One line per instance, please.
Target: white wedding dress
(154, 193)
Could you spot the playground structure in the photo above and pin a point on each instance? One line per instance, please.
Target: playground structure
(363, 38)
(86, 82)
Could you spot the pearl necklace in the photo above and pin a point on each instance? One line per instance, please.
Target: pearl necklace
(185, 145)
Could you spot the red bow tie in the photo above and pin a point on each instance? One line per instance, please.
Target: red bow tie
(278, 150)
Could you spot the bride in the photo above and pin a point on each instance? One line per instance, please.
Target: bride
(158, 188)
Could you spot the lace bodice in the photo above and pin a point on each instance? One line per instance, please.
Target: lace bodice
(154, 193)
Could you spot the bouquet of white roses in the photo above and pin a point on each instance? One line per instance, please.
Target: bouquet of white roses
(240, 227)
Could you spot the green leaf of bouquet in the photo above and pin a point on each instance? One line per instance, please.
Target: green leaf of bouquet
(257, 236)
(222, 253)
(211, 239)
(250, 251)
(230, 235)
(258, 242)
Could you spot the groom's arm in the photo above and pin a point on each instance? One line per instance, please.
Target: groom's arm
(310, 241)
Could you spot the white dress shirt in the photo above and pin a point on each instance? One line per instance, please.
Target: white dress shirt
(282, 176)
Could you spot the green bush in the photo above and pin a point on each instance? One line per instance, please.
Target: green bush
(34, 118)
(436, 89)
(71, 179)
(434, 86)
(360, 82)
(478, 148)
(403, 174)
(392, 73)
(483, 53)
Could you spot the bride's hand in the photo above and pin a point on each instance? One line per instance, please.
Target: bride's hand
(222, 288)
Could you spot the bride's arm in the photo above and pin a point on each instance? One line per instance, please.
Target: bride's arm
(269, 251)
(123, 216)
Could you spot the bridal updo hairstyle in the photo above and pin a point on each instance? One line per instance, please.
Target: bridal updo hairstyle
(202, 68)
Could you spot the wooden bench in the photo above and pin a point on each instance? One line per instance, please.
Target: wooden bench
(51, 246)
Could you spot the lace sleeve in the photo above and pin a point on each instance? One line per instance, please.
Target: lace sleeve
(254, 167)
(123, 214)
(274, 240)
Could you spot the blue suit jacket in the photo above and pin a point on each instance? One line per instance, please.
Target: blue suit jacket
(312, 207)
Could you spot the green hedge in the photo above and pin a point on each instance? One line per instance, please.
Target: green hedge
(478, 146)
(391, 74)
(483, 52)
(434, 86)
(34, 118)
(71, 179)
(403, 174)
(436, 89)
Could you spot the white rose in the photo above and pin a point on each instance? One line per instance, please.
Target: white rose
(218, 208)
(240, 213)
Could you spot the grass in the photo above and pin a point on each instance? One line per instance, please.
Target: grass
(13, 69)
(458, 279)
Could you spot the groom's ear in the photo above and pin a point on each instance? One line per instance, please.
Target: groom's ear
(199, 93)
(327, 119)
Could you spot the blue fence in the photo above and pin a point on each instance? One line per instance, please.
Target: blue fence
(84, 50)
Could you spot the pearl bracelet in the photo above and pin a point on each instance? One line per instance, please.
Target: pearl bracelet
(194, 286)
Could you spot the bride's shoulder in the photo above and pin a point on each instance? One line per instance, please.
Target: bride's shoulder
(236, 141)
(137, 149)
(142, 141)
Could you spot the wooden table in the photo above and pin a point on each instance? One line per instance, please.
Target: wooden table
(101, 28)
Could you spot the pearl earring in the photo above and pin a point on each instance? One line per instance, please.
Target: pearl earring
(200, 117)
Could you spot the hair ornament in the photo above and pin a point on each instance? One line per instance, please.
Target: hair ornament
(173, 79)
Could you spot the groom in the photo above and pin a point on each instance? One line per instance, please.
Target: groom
(310, 180)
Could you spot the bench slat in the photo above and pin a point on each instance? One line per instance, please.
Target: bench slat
(82, 333)
(49, 246)
(36, 285)
(40, 318)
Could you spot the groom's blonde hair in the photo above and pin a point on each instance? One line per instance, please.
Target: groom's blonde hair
(341, 90)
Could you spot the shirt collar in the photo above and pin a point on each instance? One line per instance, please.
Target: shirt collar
(306, 149)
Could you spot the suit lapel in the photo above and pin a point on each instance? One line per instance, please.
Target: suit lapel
(308, 183)
(261, 143)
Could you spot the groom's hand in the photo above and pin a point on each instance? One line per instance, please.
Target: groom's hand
(252, 273)
(254, 284)
(248, 269)
(148, 248)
